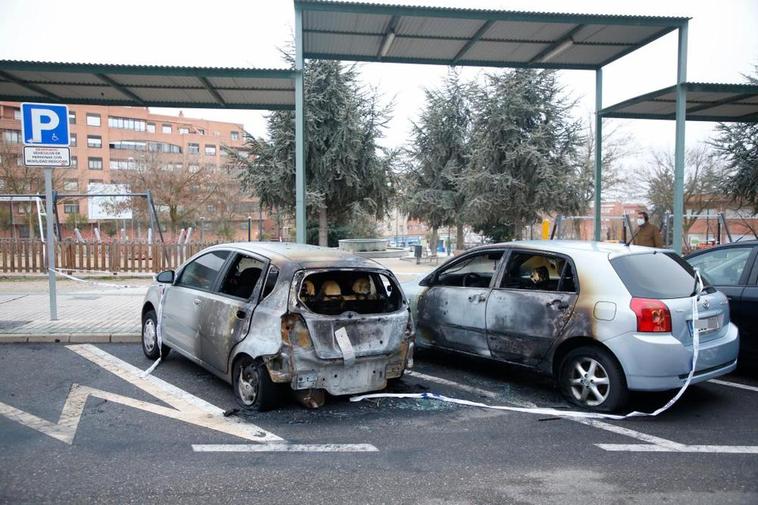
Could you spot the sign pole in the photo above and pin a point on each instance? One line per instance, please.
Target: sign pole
(50, 242)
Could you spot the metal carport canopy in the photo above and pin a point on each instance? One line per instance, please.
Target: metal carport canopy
(705, 102)
(147, 85)
(455, 36)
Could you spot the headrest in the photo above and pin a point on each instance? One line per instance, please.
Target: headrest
(331, 288)
(540, 274)
(362, 286)
(309, 289)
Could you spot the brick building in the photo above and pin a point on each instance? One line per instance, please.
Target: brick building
(108, 141)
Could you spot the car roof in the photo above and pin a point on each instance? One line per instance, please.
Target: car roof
(307, 256)
(606, 249)
(741, 243)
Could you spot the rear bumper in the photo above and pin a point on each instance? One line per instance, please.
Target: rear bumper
(661, 362)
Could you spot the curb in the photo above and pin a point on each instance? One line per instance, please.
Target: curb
(74, 338)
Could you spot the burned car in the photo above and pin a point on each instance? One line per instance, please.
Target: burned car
(266, 315)
(601, 318)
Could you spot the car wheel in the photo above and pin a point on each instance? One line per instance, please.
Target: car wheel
(252, 385)
(591, 378)
(150, 337)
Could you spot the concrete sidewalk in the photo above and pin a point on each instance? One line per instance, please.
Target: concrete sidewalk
(92, 313)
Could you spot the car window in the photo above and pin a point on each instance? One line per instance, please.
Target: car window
(538, 271)
(476, 270)
(242, 277)
(722, 267)
(271, 278)
(655, 275)
(202, 272)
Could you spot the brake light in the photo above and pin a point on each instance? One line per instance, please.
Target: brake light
(652, 315)
(295, 331)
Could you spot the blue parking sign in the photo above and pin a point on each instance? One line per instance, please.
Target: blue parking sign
(44, 124)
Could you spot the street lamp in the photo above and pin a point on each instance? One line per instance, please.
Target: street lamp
(249, 228)
(202, 230)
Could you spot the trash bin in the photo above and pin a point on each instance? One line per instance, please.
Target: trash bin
(417, 249)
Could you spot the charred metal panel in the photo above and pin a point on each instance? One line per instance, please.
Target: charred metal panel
(220, 328)
(181, 319)
(522, 325)
(454, 317)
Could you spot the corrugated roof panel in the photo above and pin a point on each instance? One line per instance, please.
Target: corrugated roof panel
(615, 34)
(45, 76)
(240, 96)
(87, 92)
(700, 96)
(8, 88)
(589, 55)
(345, 21)
(358, 45)
(408, 47)
(155, 80)
(174, 95)
(735, 110)
(432, 26)
(248, 83)
(518, 30)
(500, 51)
(652, 107)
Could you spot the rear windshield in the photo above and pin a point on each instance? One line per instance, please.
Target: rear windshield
(339, 291)
(655, 275)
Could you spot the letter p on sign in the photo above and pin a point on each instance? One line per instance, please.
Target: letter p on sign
(44, 124)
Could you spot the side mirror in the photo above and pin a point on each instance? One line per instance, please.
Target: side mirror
(166, 277)
(427, 281)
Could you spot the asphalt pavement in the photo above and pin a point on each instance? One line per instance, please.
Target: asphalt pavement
(142, 440)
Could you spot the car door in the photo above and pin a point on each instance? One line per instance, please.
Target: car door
(531, 303)
(182, 310)
(749, 313)
(226, 311)
(728, 269)
(451, 312)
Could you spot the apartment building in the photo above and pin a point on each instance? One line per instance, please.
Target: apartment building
(107, 141)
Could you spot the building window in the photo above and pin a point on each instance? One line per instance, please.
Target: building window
(141, 145)
(71, 208)
(72, 118)
(183, 130)
(95, 163)
(12, 136)
(193, 168)
(201, 131)
(193, 148)
(72, 138)
(166, 128)
(211, 208)
(235, 135)
(17, 114)
(95, 181)
(74, 162)
(151, 127)
(94, 141)
(210, 149)
(71, 185)
(127, 123)
(93, 119)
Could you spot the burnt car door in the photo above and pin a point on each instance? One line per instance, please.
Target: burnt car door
(530, 305)
(228, 309)
(728, 269)
(451, 312)
(182, 311)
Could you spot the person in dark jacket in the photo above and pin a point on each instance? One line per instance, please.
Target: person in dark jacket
(647, 234)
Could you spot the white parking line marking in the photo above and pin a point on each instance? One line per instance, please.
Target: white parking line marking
(720, 449)
(283, 447)
(734, 385)
(446, 382)
(657, 441)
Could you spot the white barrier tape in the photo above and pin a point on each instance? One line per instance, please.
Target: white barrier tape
(566, 413)
(87, 281)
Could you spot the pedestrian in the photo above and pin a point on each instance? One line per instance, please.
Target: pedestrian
(647, 234)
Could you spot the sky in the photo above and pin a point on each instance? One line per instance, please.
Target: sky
(723, 45)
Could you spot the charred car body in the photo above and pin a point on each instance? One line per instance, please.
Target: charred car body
(603, 319)
(260, 315)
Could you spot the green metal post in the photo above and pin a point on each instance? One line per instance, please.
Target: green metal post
(681, 104)
(300, 215)
(598, 148)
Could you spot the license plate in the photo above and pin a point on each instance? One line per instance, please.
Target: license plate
(709, 323)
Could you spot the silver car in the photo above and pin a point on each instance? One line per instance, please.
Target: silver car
(262, 314)
(603, 319)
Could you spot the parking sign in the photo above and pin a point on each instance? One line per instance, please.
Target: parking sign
(44, 124)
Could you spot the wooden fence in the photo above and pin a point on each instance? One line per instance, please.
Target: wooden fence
(29, 256)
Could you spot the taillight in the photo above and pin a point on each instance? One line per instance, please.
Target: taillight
(295, 331)
(652, 315)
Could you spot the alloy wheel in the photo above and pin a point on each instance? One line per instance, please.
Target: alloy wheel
(589, 381)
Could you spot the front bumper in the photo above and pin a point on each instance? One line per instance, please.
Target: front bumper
(661, 362)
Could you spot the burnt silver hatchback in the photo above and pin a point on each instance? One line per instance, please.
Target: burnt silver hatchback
(263, 316)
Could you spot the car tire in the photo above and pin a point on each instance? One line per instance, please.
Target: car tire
(150, 337)
(252, 386)
(599, 386)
